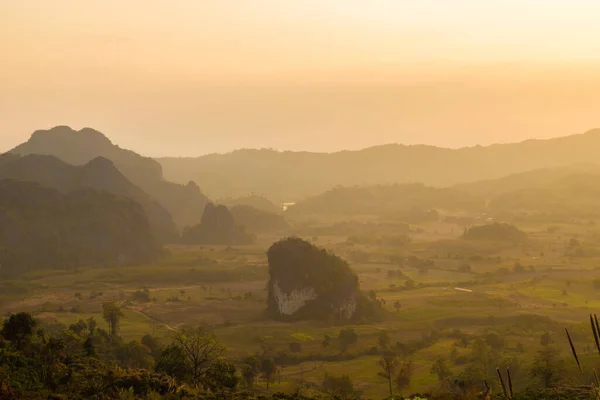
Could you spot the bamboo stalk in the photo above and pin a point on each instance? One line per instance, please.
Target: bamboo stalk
(595, 332)
(573, 350)
(510, 385)
(502, 383)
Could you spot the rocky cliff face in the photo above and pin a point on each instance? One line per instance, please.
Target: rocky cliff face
(288, 303)
(309, 283)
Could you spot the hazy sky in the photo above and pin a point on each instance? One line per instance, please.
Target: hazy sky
(188, 77)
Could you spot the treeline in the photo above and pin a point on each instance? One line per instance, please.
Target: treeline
(84, 361)
(45, 228)
(41, 228)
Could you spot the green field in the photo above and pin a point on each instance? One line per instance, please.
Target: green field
(224, 288)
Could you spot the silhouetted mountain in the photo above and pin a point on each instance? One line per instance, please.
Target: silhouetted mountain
(217, 227)
(100, 174)
(524, 180)
(255, 220)
(185, 203)
(42, 228)
(306, 282)
(291, 176)
(570, 196)
(258, 202)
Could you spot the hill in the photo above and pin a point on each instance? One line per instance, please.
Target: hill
(572, 196)
(218, 226)
(98, 174)
(558, 193)
(306, 282)
(42, 228)
(257, 220)
(184, 202)
(524, 180)
(292, 176)
(257, 202)
(407, 201)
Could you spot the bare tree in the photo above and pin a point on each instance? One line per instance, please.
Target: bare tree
(388, 364)
(202, 349)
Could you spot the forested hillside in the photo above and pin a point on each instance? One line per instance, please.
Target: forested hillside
(184, 202)
(292, 176)
(41, 228)
(99, 174)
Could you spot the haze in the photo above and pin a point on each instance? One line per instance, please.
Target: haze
(192, 77)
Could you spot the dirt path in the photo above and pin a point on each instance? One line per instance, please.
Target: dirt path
(169, 327)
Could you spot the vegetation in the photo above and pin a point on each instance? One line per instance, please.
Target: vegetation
(278, 176)
(184, 202)
(40, 228)
(495, 232)
(99, 174)
(296, 266)
(257, 220)
(218, 226)
(404, 291)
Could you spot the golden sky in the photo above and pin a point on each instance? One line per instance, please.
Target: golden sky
(187, 77)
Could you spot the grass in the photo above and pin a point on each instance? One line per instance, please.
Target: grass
(215, 279)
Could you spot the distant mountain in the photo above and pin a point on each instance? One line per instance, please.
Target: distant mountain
(184, 202)
(409, 202)
(256, 220)
(99, 174)
(576, 195)
(218, 226)
(292, 176)
(524, 180)
(254, 201)
(41, 228)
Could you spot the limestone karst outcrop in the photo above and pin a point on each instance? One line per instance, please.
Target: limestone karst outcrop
(306, 282)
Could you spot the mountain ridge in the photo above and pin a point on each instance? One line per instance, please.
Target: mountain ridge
(184, 202)
(99, 174)
(292, 176)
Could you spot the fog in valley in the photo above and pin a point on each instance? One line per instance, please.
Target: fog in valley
(299, 200)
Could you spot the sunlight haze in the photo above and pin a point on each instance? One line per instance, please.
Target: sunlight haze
(193, 77)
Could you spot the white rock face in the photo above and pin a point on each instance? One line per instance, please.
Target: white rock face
(289, 303)
(347, 308)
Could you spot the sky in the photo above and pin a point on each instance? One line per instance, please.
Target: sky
(190, 77)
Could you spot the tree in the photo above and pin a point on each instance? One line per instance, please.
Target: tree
(339, 387)
(89, 347)
(112, 314)
(295, 347)
(397, 305)
(250, 370)
(50, 355)
(220, 376)
(174, 362)
(153, 344)
(347, 337)
(135, 355)
(440, 369)
(404, 376)
(546, 340)
(494, 340)
(383, 339)
(201, 349)
(18, 329)
(91, 323)
(268, 368)
(547, 367)
(388, 364)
